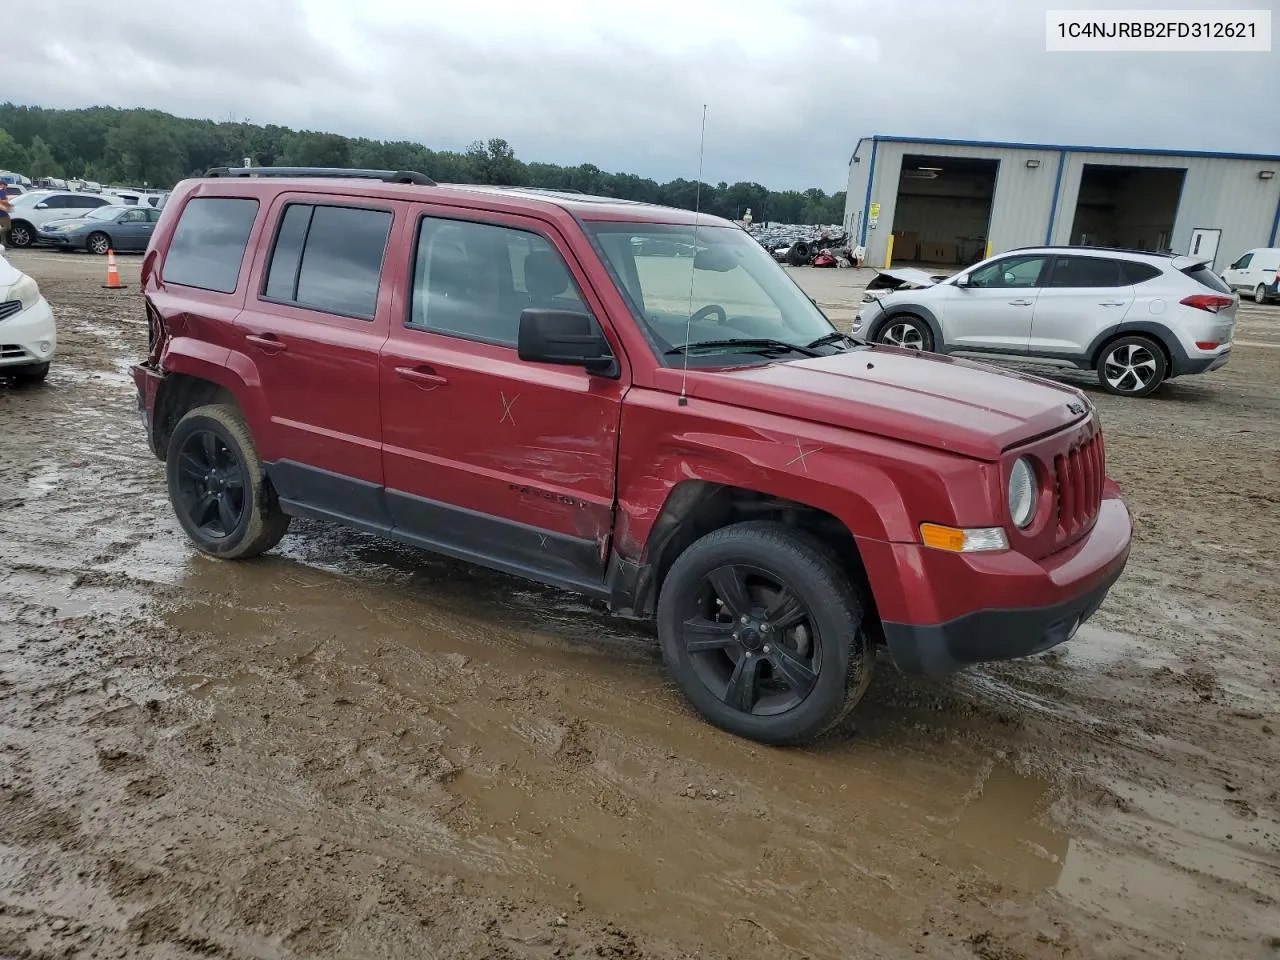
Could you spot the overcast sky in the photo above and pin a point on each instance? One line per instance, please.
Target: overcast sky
(790, 84)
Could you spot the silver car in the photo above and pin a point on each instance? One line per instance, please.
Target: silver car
(1137, 318)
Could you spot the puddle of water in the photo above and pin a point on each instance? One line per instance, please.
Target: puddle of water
(1094, 647)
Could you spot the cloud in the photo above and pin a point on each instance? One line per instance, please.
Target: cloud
(790, 85)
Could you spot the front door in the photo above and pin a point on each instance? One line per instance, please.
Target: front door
(1204, 244)
(487, 457)
(311, 330)
(133, 230)
(993, 312)
(1081, 297)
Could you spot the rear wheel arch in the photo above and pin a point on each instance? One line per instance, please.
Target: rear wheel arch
(180, 393)
(1152, 332)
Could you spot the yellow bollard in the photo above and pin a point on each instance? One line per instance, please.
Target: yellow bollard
(888, 254)
(988, 256)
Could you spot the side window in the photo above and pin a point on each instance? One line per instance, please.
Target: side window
(1135, 272)
(153, 215)
(88, 203)
(209, 243)
(329, 259)
(57, 203)
(134, 216)
(1072, 271)
(1009, 272)
(1243, 262)
(473, 280)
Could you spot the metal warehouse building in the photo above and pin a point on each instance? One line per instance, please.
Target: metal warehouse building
(951, 202)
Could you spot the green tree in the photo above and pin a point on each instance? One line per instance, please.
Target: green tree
(40, 161)
(13, 156)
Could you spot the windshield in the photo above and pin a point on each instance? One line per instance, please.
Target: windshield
(105, 213)
(711, 288)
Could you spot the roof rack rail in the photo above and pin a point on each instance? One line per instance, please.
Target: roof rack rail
(1094, 247)
(387, 176)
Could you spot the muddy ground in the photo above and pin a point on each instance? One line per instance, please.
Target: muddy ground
(349, 749)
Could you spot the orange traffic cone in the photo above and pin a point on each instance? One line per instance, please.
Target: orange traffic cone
(113, 273)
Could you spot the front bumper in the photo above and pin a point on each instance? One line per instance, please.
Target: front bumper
(1026, 606)
(29, 337)
(69, 241)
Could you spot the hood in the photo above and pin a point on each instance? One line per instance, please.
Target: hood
(946, 403)
(900, 276)
(69, 222)
(9, 274)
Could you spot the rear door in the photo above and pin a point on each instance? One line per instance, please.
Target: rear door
(311, 330)
(1082, 296)
(489, 457)
(993, 313)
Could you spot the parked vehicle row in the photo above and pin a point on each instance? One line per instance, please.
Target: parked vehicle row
(1136, 318)
(55, 216)
(550, 386)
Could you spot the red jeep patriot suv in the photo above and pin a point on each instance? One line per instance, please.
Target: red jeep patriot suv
(624, 400)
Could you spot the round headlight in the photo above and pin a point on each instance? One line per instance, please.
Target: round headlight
(1022, 493)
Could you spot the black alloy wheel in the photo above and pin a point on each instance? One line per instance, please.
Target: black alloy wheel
(212, 485)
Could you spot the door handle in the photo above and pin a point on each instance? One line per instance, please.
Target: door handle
(1111, 303)
(421, 375)
(267, 342)
(1021, 303)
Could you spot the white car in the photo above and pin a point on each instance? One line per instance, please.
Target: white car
(1137, 318)
(31, 211)
(1256, 273)
(28, 334)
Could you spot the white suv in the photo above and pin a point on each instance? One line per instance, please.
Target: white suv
(1137, 318)
(28, 336)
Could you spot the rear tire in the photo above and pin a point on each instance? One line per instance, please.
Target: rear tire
(218, 487)
(1260, 293)
(1132, 367)
(798, 665)
(906, 331)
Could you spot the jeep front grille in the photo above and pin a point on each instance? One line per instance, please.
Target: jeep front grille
(1079, 475)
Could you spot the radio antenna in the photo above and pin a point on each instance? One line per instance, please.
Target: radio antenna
(693, 273)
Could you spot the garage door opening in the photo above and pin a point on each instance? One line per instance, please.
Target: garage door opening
(1130, 207)
(943, 210)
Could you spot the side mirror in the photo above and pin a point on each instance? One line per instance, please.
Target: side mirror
(42, 206)
(565, 337)
(964, 281)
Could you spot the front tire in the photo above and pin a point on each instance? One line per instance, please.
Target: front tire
(21, 235)
(98, 243)
(1132, 367)
(218, 487)
(762, 631)
(908, 332)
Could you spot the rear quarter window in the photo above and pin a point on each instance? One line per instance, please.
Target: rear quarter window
(209, 243)
(1207, 278)
(1135, 272)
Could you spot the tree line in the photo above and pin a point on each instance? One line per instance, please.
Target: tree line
(151, 148)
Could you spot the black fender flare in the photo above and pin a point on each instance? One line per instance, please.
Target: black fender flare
(1179, 362)
(915, 309)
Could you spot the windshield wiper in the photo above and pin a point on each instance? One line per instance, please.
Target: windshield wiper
(833, 337)
(760, 345)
